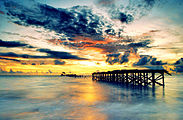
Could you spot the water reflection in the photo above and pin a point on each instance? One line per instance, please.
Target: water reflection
(130, 93)
(81, 98)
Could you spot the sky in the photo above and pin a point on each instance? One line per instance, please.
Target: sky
(49, 37)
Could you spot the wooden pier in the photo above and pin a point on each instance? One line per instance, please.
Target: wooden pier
(135, 77)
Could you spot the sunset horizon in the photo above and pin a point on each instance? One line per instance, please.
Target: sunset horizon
(91, 59)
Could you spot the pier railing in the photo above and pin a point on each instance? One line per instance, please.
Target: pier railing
(136, 77)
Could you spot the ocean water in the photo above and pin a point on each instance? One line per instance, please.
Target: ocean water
(64, 98)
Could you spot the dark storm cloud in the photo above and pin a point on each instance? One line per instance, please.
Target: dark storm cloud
(81, 21)
(141, 44)
(2, 58)
(61, 55)
(58, 62)
(51, 54)
(120, 45)
(78, 45)
(11, 44)
(178, 62)
(118, 58)
(124, 58)
(11, 54)
(179, 65)
(111, 47)
(112, 58)
(73, 22)
(142, 60)
(148, 60)
(78, 20)
(127, 18)
(113, 55)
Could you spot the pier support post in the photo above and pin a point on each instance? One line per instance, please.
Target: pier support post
(153, 79)
(127, 78)
(163, 79)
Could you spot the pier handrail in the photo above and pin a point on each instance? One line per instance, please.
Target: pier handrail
(135, 70)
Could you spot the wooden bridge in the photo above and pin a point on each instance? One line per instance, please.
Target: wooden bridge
(135, 77)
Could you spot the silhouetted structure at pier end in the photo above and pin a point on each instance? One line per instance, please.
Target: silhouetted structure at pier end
(135, 77)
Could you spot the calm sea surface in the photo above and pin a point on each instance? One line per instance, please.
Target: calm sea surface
(64, 98)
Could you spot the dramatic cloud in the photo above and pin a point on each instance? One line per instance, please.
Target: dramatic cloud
(57, 62)
(128, 48)
(11, 54)
(148, 60)
(83, 27)
(127, 18)
(116, 58)
(2, 58)
(11, 44)
(140, 44)
(78, 20)
(61, 55)
(128, 10)
(122, 46)
(179, 65)
(178, 62)
(51, 54)
(74, 22)
(128, 55)
(119, 58)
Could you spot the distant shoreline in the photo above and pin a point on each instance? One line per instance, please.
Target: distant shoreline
(30, 75)
(38, 75)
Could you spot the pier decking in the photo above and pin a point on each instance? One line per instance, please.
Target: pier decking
(135, 77)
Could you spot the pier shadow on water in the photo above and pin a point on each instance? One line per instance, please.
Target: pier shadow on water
(132, 94)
